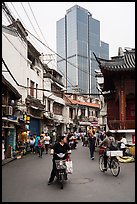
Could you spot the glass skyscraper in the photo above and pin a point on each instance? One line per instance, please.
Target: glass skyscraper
(78, 36)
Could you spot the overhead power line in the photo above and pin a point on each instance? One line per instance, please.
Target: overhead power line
(41, 89)
(4, 7)
(57, 53)
(49, 47)
(35, 30)
(29, 19)
(12, 19)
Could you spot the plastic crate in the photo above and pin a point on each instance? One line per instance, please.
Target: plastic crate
(115, 153)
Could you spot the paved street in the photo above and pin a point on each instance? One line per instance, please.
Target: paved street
(25, 180)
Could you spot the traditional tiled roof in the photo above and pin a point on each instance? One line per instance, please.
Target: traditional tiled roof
(126, 62)
(75, 102)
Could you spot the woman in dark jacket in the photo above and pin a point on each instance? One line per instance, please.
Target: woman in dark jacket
(60, 147)
(92, 142)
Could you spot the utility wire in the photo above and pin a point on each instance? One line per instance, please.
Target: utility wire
(31, 87)
(31, 23)
(16, 12)
(23, 56)
(29, 19)
(25, 26)
(20, 84)
(48, 46)
(38, 27)
(21, 53)
(37, 23)
(57, 53)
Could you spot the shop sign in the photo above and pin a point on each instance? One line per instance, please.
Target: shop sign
(26, 118)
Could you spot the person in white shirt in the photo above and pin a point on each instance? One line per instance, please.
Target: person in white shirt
(123, 143)
(54, 137)
(32, 143)
(47, 142)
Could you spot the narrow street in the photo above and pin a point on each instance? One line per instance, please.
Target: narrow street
(25, 180)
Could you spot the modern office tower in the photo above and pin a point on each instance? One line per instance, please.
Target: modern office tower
(78, 36)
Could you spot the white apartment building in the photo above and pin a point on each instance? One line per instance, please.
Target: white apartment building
(25, 71)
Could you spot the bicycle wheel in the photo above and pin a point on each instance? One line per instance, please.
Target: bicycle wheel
(115, 167)
(101, 163)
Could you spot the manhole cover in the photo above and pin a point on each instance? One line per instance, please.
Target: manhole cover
(81, 180)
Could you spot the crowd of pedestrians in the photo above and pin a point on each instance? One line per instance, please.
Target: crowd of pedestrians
(39, 143)
(90, 137)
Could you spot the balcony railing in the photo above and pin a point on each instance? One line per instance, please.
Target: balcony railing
(86, 118)
(118, 125)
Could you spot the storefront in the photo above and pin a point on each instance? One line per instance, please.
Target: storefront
(34, 126)
(35, 113)
(9, 137)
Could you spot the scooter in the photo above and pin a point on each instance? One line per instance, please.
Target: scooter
(61, 167)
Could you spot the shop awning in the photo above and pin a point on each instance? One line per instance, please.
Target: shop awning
(9, 120)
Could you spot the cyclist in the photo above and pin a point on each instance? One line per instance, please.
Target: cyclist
(106, 144)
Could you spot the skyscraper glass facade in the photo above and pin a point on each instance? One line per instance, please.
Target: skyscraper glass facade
(78, 36)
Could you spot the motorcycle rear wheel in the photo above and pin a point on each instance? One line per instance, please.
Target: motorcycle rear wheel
(61, 181)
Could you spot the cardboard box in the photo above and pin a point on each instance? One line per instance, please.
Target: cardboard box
(115, 153)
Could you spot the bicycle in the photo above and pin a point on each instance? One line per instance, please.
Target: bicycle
(112, 162)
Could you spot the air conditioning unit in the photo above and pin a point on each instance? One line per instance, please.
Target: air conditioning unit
(9, 110)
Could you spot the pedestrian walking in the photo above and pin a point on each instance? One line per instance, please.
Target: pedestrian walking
(41, 145)
(54, 135)
(92, 142)
(37, 149)
(47, 142)
(32, 143)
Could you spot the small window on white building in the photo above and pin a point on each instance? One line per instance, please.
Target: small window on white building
(31, 88)
(36, 90)
(49, 105)
(28, 86)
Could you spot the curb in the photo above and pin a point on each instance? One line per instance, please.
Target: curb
(4, 162)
